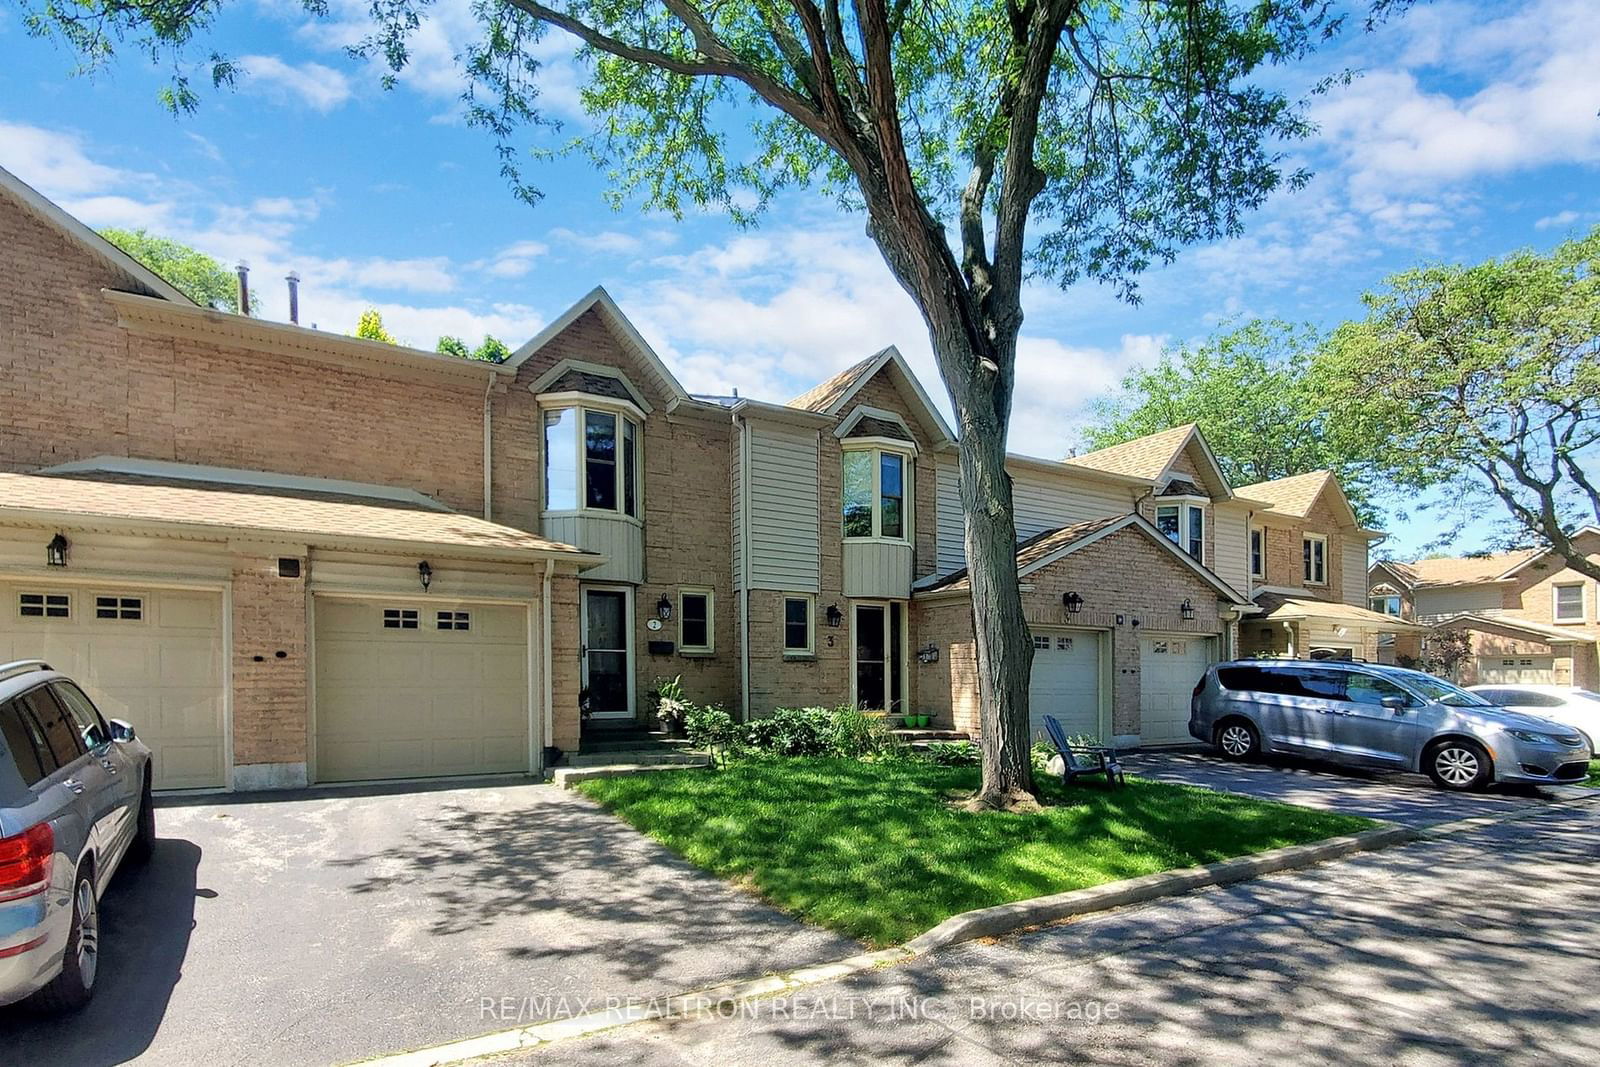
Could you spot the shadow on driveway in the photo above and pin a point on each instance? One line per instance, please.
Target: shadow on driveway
(146, 916)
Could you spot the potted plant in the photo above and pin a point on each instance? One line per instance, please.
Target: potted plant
(909, 720)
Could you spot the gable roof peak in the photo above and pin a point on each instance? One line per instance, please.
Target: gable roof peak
(831, 396)
(598, 299)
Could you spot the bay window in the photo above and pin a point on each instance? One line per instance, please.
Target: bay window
(591, 461)
(1185, 526)
(876, 493)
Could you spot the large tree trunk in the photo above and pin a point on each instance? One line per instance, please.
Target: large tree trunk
(1003, 642)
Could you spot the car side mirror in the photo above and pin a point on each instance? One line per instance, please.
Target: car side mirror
(1395, 703)
(121, 731)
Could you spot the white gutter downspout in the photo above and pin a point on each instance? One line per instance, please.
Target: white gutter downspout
(549, 684)
(743, 564)
(488, 449)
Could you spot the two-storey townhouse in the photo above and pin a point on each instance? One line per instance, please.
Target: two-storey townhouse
(1527, 615)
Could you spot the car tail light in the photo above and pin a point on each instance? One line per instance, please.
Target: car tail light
(25, 862)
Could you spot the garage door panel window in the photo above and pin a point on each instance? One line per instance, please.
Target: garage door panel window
(119, 608)
(44, 605)
(1569, 603)
(453, 620)
(400, 619)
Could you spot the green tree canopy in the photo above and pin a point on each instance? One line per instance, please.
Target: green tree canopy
(453, 346)
(193, 273)
(1124, 129)
(1251, 392)
(492, 350)
(370, 327)
(1485, 382)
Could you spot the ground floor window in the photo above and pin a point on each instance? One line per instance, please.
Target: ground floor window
(880, 656)
(694, 620)
(797, 613)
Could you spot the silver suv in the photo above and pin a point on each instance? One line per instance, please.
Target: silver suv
(74, 802)
(1379, 716)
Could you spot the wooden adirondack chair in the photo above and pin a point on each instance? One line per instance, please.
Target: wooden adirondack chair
(1082, 761)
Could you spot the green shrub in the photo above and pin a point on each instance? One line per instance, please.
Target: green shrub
(710, 727)
(855, 733)
(953, 753)
(792, 732)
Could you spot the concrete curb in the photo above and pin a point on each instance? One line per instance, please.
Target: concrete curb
(981, 922)
(567, 777)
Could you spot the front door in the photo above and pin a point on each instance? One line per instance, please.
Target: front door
(605, 653)
(879, 657)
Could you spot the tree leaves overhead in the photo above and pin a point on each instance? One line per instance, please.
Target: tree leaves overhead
(193, 273)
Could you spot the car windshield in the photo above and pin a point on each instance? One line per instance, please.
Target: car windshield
(1443, 692)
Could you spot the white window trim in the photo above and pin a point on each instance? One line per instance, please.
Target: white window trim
(811, 626)
(1257, 532)
(72, 605)
(581, 404)
(907, 455)
(711, 620)
(1583, 603)
(1321, 539)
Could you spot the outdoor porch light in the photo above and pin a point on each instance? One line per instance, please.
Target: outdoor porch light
(425, 574)
(664, 608)
(1073, 601)
(1186, 609)
(55, 553)
(835, 616)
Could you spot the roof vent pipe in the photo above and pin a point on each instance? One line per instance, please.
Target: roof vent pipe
(243, 270)
(294, 297)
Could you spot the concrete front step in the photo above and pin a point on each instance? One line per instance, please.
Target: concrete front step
(930, 734)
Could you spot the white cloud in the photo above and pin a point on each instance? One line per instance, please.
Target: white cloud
(55, 160)
(602, 242)
(514, 260)
(1559, 220)
(320, 87)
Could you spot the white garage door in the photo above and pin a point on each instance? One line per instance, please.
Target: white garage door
(1516, 670)
(152, 657)
(1065, 683)
(415, 689)
(1169, 667)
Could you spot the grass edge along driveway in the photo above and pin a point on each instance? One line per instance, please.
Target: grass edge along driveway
(876, 852)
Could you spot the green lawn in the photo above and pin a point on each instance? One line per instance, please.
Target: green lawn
(874, 851)
(1594, 774)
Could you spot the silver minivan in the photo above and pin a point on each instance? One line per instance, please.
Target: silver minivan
(1379, 716)
(74, 802)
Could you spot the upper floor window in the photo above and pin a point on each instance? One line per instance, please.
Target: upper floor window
(1258, 552)
(1387, 604)
(1314, 553)
(876, 493)
(1569, 602)
(1185, 526)
(591, 461)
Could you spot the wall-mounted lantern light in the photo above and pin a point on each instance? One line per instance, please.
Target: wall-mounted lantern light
(1186, 609)
(835, 616)
(1073, 601)
(425, 574)
(55, 553)
(664, 608)
(929, 654)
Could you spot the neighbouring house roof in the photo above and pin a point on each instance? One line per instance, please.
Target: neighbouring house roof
(832, 396)
(1585, 531)
(1462, 570)
(1045, 548)
(1553, 634)
(1144, 457)
(52, 215)
(1278, 607)
(208, 510)
(599, 301)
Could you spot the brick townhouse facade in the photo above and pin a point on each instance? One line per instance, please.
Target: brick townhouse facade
(290, 556)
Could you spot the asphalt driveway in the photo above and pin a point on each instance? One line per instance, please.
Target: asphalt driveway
(1399, 797)
(316, 930)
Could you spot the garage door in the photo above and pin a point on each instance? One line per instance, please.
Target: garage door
(1065, 682)
(150, 656)
(1169, 669)
(419, 689)
(1516, 670)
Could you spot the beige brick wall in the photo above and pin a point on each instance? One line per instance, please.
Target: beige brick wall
(564, 673)
(1285, 554)
(270, 724)
(1123, 574)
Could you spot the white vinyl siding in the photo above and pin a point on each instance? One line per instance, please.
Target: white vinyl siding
(784, 542)
(1231, 547)
(617, 537)
(952, 554)
(1353, 558)
(1042, 501)
(1432, 603)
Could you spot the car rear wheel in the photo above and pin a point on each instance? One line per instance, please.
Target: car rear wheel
(80, 964)
(1458, 764)
(1237, 739)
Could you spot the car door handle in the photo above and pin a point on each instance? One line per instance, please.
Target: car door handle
(73, 784)
(109, 766)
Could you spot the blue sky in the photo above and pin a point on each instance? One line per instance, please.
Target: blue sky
(1472, 131)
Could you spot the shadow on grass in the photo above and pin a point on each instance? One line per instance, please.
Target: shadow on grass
(877, 852)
